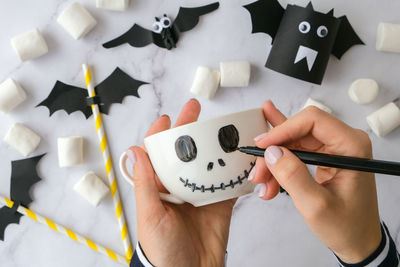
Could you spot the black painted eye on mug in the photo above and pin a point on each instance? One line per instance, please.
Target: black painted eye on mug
(185, 148)
(228, 137)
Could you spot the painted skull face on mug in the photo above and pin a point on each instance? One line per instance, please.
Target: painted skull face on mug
(199, 162)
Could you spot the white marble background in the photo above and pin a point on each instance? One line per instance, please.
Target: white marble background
(262, 233)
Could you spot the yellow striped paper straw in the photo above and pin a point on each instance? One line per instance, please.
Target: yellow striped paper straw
(58, 228)
(108, 163)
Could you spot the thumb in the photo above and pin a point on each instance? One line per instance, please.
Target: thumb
(294, 177)
(147, 196)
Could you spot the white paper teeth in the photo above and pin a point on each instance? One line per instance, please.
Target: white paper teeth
(385, 119)
(388, 37)
(29, 45)
(116, 5)
(206, 82)
(92, 188)
(235, 74)
(70, 151)
(76, 20)
(363, 91)
(312, 102)
(11, 95)
(22, 139)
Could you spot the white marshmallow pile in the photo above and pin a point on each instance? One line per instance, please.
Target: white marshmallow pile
(22, 139)
(235, 74)
(231, 74)
(363, 91)
(206, 82)
(388, 37)
(92, 188)
(70, 151)
(11, 95)
(76, 20)
(116, 5)
(385, 119)
(312, 102)
(29, 45)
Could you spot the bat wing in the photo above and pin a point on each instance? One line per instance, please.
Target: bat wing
(23, 177)
(136, 36)
(115, 88)
(345, 39)
(188, 18)
(266, 16)
(7, 217)
(68, 98)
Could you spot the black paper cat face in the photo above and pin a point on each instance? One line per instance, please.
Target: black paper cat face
(303, 39)
(187, 151)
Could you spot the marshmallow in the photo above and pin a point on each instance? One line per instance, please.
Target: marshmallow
(363, 91)
(235, 74)
(22, 139)
(206, 82)
(385, 119)
(11, 95)
(29, 45)
(312, 102)
(70, 151)
(92, 188)
(117, 5)
(388, 37)
(76, 20)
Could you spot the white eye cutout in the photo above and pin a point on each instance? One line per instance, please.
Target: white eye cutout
(322, 31)
(157, 27)
(304, 27)
(165, 22)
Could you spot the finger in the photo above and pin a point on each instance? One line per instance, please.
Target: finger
(146, 192)
(161, 124)
(324, 127)
(272, 114)
(260, 173)
(269, 190)
(294, 177)
(189, 113)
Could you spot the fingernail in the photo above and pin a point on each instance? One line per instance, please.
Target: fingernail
(252, 173)
(263, 190)
(131, 156)
(273, 154)
(259, 137)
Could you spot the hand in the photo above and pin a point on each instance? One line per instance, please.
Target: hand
(177, 235)
(340, 206)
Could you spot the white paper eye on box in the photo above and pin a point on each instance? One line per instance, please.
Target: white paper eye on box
(235, 74)
(70, 151)
(92, 188)
(388, 37)
(29, 45)
(22, 139)
(206, 82)
(76, 20)
(385, 119)
(116, 5)
(312, 102)
(363, 91)
(11, 95)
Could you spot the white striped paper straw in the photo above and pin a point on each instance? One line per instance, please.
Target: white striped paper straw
(108, 164)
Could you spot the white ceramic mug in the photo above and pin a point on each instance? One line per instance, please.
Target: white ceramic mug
(198, 162)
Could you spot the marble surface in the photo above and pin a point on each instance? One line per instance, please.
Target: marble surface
(262, 233)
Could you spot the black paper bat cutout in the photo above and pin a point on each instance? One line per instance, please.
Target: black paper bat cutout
(23, 177)
(112, 90)
(165, 34)
(302, 39)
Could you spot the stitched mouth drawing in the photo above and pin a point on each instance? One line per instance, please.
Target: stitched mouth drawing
(238, 181)
(186, 150)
